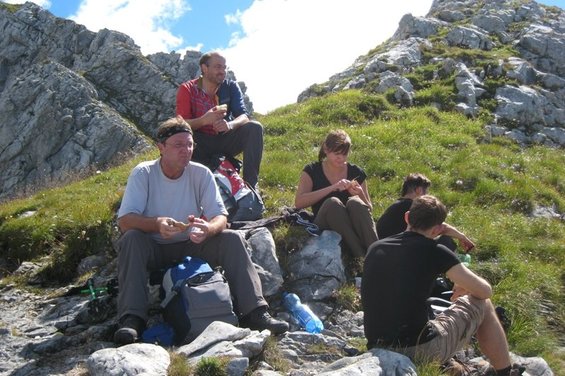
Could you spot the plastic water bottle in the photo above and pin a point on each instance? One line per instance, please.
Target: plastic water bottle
(465, 259)
(302, 313)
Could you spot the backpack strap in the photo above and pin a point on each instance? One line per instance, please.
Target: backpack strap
(172, 293)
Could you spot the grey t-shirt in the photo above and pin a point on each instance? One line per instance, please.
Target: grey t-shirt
(151, 194)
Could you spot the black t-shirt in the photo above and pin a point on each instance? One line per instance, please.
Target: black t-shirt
(398, 277)
(392, 221)
(319, 181)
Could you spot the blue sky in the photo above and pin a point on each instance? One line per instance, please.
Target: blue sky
(277, 47)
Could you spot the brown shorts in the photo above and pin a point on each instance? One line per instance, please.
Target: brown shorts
(455, 326)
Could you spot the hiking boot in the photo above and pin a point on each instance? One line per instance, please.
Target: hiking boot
(131, 328)
(260, 319)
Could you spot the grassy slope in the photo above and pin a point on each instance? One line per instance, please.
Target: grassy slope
(490, 186)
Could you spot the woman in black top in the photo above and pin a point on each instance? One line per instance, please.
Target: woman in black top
(337, 192)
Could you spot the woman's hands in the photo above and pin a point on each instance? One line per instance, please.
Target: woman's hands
(342, 185)
(352, 186)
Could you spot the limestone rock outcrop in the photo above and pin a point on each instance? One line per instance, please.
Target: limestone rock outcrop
(73, 101)
(467, 37)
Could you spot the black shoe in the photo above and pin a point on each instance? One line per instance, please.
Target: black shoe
(131, 328)
(517, 369)
(260, 319)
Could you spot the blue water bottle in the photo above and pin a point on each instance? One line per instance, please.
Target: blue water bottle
(302, 313)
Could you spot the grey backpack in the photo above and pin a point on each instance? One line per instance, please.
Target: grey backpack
(195, 296)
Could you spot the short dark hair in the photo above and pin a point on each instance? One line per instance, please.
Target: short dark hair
(413, 181)
(171, 127)
(207, 56)
(426, 212)
(337, 141)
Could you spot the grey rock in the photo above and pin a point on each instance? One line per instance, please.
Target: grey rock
(373, 362)
(67, 129)
(356, 83)
(546, 212)
(216, 332)
(552, 82)
(248, 347)
(557, 135)
(544, 48)
(411, 26)
(404, 91)
(520, 104)
(523, 71)
(237, 366)
(266, 373)
(535, 366)
(406, 54)
(469, 89)
(27, 268)
(263, 254)
(490, 23)
(469, 37)
(450, 15)
(317, 270)
(90, 263)
(73, 102)
(517, 136)
(129, 360)
(390, 79)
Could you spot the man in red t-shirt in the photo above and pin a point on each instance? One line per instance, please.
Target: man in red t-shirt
(213, 106)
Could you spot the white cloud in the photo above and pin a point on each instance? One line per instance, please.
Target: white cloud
(233, 18)
(283, 46)
(146, 21)
(288, 45)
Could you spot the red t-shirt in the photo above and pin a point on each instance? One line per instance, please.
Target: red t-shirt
(193, 102)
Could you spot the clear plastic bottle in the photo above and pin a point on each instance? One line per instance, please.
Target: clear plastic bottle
(465, 259)
(302, 313)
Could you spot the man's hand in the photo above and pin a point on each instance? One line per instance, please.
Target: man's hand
(222, 125)
(198, 229)
(168, 227)
(214, 115)
(451, 231)
(466, 243)
(458, 292)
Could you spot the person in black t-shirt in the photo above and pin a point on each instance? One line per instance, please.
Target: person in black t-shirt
(337, 192)
(392, 222)
(398, 276)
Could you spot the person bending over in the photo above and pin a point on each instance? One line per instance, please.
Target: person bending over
(337, 192)
(159, 194)
(398, 275)
(392, 221)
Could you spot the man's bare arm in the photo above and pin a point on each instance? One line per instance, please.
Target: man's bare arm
(476, 286)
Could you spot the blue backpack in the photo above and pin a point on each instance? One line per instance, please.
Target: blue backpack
(195, 296)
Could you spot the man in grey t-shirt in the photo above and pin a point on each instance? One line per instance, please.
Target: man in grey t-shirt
(160, 196)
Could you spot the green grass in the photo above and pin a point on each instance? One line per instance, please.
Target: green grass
(489, 185)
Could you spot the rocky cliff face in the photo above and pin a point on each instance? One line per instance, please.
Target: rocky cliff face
(73, 101)
(501, 57)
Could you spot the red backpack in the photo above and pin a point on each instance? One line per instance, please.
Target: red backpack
(242, 202)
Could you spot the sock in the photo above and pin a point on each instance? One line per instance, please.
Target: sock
(504, 371)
